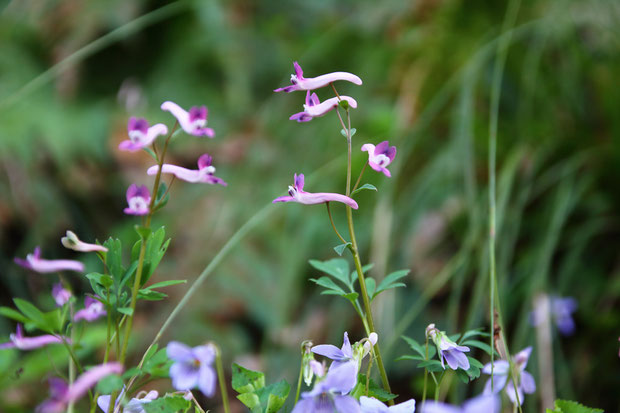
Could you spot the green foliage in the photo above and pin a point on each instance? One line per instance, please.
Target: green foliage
(109, 384)
(254, 394)
(168, 404)
(30, 315)
(364, 187)
(566, 406)
(155, 249)
(340, 248)
(374, 389)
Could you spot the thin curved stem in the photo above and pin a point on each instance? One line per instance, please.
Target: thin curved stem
(359, 178)
(333, 225)
(221, 378)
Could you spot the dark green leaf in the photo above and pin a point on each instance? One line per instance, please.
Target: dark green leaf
(374, 390)
(34, 314)
(328, 283)
(168, 404)
(415, 346)
(566, 406)
(162, 284)
(143, 232)
(353, 276)
(370, 287)
(364, 187)
(125, 310)
(102, 279)
(15, 315)
(151, 295)
(245, 380)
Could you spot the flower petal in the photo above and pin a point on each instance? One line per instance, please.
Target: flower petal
(372, 405)
(330, 351)
(207, 380)
(184, 375)
(179, 352)
(346, 404)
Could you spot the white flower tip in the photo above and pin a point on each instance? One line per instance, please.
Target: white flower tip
(373, 338)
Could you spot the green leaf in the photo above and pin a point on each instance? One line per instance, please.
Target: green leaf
(478, 344)
(151, 295)
(566, 406)
(151, 153)
(374, 390)
(351, 297)
(162, 284)
(168, 404)
(155, 250)
(102, 279)
(415, 346)
(390, 281)
(114, 259)
(245, 380)
(340, 248)
(250, 400)
(125, 310)
(329, 284)
(143, 232)
(160, 200)
(473, 333)
(337, 268)
(274, 396)
(365, 269)
(12, 314)
(34, 314)
(371, 285)
(109, 384)
(363, 187)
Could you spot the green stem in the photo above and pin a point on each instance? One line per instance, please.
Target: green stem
(438, 386)
(221, 378)
(333, 225)
(359, 178)
(301, 371)
(425, 376)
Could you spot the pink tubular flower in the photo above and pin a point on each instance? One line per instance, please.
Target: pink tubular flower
(138, 199)
(203, 174)
(34, 262)
(92, 310)
(61, 394)
(192, 122)
(300, 83)
(314, 108)
(19, 341)
(72, 242)
(297, 194)
(61, 294)
(380, 156)
(141, 135)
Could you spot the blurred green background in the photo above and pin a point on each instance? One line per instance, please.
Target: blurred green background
(72, 72)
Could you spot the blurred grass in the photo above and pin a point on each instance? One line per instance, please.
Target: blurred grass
(427, 71)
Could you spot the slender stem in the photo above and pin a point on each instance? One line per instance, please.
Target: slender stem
(425, 376)
(335, 91)
(221, 378)
(333, 225)
(438, 386)
(359, 178)
(368, 374)
(93, 405)
(301, 373)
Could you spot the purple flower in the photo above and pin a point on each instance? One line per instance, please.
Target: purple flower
(448, 350)
(480, 404)
(192, 367)
(135, 405)
(297, 194)
(299, 82)
(380, 156)
(203, 174)
(141, 135)
(339, 355)
(192, 122)
(138, 199)
(61, 394)
(18, 340)
(93, 309)
(314, 108)
(501, 373)
(34, 262)
(61, 294)
(72, 242)
(372, 405)
(561, 309)
(330, 394)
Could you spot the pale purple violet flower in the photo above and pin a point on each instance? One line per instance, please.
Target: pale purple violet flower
(314, 108)
(34, 262)
(380, 156)
(72, 242)
(93, 309)
(192, 367)
(135, 405)
(330, 394)
(299, 82)
(138, 199)
(192, 122)
(561, 309)
(204, 173)
(141, 135)
(372, 405)
(479, 404)
(19, 341)
(501, 374)
(338, 355)
(61, 394)
(448, 350)
(61, 294)
(297, 194)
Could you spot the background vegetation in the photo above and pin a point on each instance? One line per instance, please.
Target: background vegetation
(72, 72)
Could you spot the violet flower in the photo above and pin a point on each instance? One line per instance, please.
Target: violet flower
(135, 405)
(72, 242)
(138, 199)
(372, 405)
(204, 173)
(480, 404)
(60, 294)
(561, 309)
(338, 355)
(314, 108)
(19, 341)
(192, 122)
(297, 194)
(192, 367)
(299, 82)
(61, 394)
(380, 156)
(501, 374)
(330, 394)
(93, 309)
(448, 350)
(141, 135)
(34, 262)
